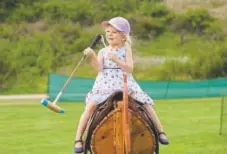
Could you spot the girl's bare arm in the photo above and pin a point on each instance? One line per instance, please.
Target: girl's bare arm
(97, 62)
(128, 65)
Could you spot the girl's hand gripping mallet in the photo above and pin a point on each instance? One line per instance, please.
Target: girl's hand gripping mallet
(53, 105)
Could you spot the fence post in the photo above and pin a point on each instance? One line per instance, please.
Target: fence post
(48, 84)
(208, 88)
(221, 116)
(167, 90)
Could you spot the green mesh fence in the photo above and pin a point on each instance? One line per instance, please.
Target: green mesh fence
(79, 87)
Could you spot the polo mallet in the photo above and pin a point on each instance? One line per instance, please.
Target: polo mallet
(53, 105)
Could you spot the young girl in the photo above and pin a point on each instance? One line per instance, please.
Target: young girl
(111, 62)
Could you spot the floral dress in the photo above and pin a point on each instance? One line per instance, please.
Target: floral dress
(110, 79)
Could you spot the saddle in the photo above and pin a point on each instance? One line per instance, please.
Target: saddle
(103, 129)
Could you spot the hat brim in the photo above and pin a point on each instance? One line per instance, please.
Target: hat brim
(105, 24)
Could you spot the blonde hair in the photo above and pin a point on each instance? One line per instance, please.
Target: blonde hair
(128, 42)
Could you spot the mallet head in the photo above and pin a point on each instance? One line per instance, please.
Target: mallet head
(52, 106)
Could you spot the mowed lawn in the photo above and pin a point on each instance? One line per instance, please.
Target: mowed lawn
(192, 126)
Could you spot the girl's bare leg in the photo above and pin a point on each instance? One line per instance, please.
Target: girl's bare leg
(156, 120)
(90, 107)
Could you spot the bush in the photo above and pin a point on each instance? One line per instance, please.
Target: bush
(214, 32)
(208, 64)
(194, 20)
(151, 20)
(146, 27)
(39, 36)
(25, 13)
(156, 10)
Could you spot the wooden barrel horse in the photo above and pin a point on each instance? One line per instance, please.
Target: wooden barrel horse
(121, 125)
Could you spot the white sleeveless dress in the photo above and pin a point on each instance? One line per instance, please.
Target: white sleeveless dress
(110, 79)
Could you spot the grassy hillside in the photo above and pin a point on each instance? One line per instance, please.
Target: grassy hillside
(217, 8)
(38, 37)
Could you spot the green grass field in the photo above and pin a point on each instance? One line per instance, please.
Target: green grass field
(192, 126)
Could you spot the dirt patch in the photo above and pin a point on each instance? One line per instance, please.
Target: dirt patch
(217, 8)
(25, 98)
